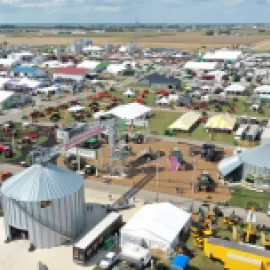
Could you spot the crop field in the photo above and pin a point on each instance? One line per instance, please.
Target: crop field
(177, 40)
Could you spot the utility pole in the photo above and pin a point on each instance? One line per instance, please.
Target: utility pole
(193, 175)
(157, 178)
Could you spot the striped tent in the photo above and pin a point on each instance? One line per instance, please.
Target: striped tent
(221, 121)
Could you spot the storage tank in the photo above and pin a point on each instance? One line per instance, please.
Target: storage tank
(45, 204)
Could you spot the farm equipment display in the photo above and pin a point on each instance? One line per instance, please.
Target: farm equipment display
(205, 182)
(208, 152)
(146, 155)
(92, 143)
(55, 116)
(6, 151)
(233, 220)
(5, 176)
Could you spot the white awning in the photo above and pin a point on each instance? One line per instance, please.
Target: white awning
(76, 108)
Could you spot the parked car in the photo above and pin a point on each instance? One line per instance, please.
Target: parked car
(109, 260)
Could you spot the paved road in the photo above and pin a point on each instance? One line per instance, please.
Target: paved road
(149, 195)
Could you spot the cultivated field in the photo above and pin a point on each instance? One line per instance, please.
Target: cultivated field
(178, 40)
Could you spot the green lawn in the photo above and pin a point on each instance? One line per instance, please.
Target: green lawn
(241, 197)
(42, 139)
(163, 119)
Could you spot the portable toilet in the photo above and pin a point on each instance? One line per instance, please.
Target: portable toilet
(180, 262)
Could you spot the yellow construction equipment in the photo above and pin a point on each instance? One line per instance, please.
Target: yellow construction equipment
(237, 256)
(250, 233)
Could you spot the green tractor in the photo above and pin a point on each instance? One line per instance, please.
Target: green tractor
(139, 138)
(205, 182)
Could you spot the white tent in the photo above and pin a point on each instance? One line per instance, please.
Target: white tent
(115, 68)
(263, 89)
(91, 48)
(130, 111)
(163, 101)
(205, 87)
(47, 90)
(99, 114)
(201, 65)
(76, 108)
(223, 55)
(157, 226)
(5, 95)
(129, 93)
(28, 83)
(88, 64)
(235, 88)
(3, 81)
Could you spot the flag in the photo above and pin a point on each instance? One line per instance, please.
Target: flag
(174, 163)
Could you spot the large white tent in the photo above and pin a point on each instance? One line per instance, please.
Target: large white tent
(3, 81)
(4, 95)
(263, 89)
(47, 90)
(90, 64)
(201, 65)
(131, 111)
(224, 55)
(76, 108)
(157, 226)
(235, 88)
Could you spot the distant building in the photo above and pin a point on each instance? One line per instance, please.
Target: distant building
(156, 80)
(28, 71)
(73, 73)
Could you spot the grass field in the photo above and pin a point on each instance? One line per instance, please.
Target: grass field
(177, 40)
(241, 197)
(163, 119)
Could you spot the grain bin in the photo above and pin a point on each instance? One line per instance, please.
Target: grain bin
(45, 204)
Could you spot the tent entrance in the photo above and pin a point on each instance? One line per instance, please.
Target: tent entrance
(18, 233)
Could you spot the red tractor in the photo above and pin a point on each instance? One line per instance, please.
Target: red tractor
(5, 176)
(6, 150)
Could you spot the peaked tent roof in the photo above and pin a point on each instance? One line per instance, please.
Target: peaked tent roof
(159, 221)
(42, 183)
(221, 121)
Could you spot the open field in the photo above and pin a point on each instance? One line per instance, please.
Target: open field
(177, 40)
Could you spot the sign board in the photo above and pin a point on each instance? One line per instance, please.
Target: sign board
(86, 153)
(83, 136)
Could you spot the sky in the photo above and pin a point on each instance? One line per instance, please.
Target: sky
(130, 11)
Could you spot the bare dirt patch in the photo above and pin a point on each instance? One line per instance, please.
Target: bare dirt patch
(170, 181)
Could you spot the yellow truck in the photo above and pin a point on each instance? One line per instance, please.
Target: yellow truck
(236, 256)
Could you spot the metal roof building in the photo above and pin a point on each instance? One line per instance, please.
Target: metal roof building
(251, 161)
(46, 204)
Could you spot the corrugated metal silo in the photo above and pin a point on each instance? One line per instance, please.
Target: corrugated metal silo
(46, 203)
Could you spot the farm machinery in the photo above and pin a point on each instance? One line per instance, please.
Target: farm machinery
(205, 182)
(5, 176)
(137, 138)
(146, 155)
(208, 152)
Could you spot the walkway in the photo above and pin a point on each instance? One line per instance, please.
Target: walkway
(150, 196)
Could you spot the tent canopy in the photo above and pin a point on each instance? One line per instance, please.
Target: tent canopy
(4, 95)
(157, 224)
(130, 111)
(235, 88)
(129, 93)
(264, 89)
(186, 121)
(201, 65)
(76, 108)
(47, 90)
(221, 121)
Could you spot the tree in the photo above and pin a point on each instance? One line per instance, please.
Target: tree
(209, 32)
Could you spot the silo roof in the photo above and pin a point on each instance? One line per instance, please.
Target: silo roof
(42, 183)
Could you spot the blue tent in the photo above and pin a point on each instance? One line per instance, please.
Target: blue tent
(180, 262)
